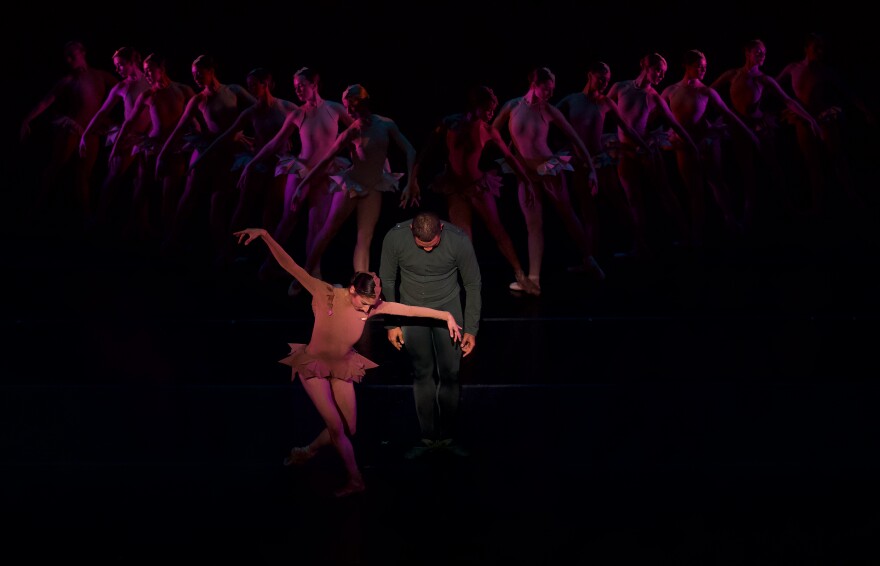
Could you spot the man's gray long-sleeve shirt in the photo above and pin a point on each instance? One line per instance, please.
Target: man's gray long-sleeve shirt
(430, 279)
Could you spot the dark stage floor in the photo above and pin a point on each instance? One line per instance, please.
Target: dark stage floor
(714, 408)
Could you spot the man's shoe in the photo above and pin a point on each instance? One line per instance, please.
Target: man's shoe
(424, 447)
(450, 446)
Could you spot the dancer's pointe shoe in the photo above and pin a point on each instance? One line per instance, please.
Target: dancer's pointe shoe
(526, 284)
(350, 488)
(298, 456)
(530, 285)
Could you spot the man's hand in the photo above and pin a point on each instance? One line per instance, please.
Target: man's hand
(395, 336)
(468, 341)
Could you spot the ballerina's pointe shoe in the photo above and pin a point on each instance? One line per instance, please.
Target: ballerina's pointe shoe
(525, 284)
(298, 456)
